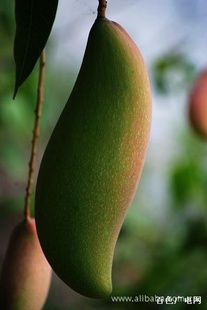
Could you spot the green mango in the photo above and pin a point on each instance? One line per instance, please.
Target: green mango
(26, 274)
(93, 161)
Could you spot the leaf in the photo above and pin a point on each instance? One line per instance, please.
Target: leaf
(187, 183)
(34, 21)
(172, 72)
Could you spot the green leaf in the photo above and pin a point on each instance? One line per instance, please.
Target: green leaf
(187, 183)
(34, 21)
(172, 72)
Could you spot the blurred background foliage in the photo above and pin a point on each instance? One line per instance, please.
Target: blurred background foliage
(161, 249)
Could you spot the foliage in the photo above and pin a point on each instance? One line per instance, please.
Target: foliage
(172, 72)
(34, 20)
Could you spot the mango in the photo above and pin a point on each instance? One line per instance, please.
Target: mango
(197, 107)
(26, 274)
(93, 161)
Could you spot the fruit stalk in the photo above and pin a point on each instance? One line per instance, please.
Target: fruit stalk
(102, 8)
(38, 109)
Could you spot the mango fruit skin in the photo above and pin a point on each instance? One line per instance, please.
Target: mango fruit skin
(198, 105)
(93, 161)
(26, 274)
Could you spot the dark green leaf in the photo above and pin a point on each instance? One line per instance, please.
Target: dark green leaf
(34, 20)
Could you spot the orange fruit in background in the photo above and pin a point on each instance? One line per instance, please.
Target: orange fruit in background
(198, 105)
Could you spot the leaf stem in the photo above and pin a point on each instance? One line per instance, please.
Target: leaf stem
(102, 8)
(36, 129)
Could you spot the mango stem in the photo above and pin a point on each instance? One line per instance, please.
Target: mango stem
(36, 130)
(102, 8)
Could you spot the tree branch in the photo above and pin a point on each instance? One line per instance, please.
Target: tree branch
(36, 129)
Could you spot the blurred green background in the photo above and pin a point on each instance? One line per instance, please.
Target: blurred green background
(161, 249)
